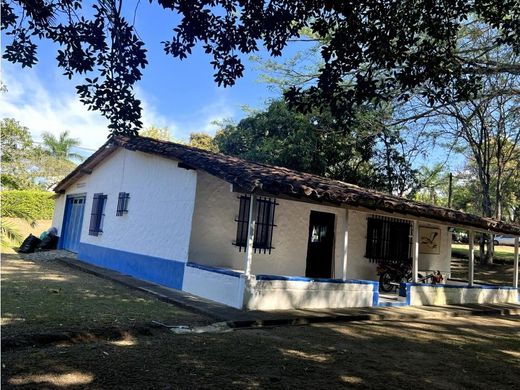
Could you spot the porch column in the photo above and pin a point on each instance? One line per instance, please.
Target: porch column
(471, 258)
(415, 252)
(345, 247)
(515, 276)
(250, 235)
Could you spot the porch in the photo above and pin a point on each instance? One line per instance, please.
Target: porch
(357, 282)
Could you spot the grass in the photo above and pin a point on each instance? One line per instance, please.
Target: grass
(49, 297)
(501, 274)
(452, 353)
(503, 253)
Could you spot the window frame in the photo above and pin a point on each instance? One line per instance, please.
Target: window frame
(264, 223)
(388, 240)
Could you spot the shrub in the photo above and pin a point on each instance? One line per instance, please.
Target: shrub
(36, 204)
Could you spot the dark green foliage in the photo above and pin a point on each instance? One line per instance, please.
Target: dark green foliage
(364, 154)
(36, 204)
(375, 50)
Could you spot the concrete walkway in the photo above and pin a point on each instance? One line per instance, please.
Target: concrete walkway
(235, 318)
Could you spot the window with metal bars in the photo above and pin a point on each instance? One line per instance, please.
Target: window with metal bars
(97, 215)
(388, 240)
(122, 203)
(264, 226)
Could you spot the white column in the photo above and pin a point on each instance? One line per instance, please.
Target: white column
(515, 276)
(345, 247)
(250, 235)
(415, 252)
(471, 258)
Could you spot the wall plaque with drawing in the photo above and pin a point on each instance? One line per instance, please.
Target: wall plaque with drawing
(429, 240)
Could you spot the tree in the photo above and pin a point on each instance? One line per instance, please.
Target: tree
(17, 149)
(9, 231)
(25, 165)
(61, 147)
(316, 143)
(159, 133)
(203, 141)
(373, 50)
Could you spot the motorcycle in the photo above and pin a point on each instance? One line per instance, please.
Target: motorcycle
(391, 276)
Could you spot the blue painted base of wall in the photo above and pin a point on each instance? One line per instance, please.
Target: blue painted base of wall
(166, 272)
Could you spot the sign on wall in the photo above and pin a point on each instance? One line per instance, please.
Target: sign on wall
(429, 240)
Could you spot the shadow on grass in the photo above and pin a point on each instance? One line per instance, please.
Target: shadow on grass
(443, 353)
(454, 353)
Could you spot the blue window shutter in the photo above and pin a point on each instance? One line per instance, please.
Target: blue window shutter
(97, 214)
(94, 215)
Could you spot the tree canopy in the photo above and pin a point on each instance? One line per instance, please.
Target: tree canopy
(372, 50)
(155, 132)
(26, 165)
(316, 143)
(61, 146)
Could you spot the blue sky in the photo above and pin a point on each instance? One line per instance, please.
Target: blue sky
(178, 94)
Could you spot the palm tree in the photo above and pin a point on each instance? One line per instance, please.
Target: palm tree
(9, 233)
(61, 147)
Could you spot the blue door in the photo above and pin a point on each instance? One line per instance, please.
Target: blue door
(72, 222)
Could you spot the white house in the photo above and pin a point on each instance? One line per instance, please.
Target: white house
(256, 236)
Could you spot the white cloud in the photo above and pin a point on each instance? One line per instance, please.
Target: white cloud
(54, 107)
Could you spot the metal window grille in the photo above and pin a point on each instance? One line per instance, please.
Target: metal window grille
(97, 215)
(388, 240)
(264, 226)
(122, 203)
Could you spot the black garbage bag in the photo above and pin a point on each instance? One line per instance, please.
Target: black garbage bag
(49, 242)
(29, 244)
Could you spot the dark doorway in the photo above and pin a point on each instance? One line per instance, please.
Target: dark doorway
(320, 247)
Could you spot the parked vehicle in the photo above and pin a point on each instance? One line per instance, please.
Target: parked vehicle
(504, 240)
(391, 276)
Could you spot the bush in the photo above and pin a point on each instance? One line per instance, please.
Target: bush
(36, 204)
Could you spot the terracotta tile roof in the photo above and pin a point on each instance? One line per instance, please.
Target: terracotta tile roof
(278, 181)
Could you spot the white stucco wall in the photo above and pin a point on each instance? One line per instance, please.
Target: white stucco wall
(437, 295)
(160, 208)
(214, 230)
(218, 287)
(284, 295)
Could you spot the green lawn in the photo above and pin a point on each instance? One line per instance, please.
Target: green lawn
(48, 297)
(42, 298)
(503, 253)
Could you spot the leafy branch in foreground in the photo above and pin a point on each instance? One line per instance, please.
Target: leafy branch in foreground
(375, 50)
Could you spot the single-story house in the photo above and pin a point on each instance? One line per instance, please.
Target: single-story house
(256, 236)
